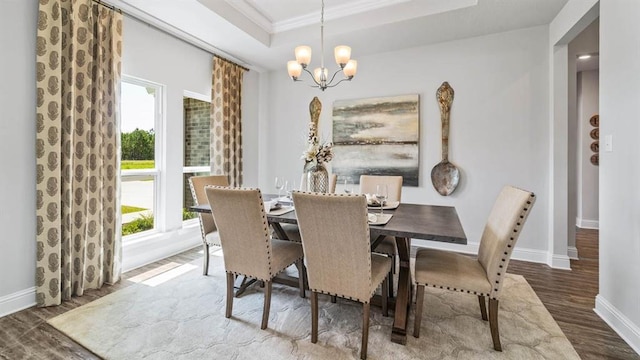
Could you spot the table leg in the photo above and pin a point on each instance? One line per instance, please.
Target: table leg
(403, 299)
(246, 282)
(279, 231)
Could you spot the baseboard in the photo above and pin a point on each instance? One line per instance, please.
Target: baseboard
(628, 331)
(142, 251)
(523, 254)
(572, 253)
(17, 301)
(587, 224)
(561, 262)
(149, 249)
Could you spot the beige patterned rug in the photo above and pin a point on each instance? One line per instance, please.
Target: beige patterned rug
(179, 314)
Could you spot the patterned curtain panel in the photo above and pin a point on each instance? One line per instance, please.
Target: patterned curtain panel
(78, 83)
(226, 116)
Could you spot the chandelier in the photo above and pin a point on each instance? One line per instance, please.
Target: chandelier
(320, 75)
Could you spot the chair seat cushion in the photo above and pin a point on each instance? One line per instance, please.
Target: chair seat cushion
(283, 254)
(449, 270)
(387, 246)
(380, 267)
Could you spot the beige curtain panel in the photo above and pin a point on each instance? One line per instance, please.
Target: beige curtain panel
(226, 116)
(78, 61)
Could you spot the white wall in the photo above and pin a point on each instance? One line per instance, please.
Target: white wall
(574, 17)
(588, 100)
(586, 42)
(619, 299)
(17, 154)
(499, 127)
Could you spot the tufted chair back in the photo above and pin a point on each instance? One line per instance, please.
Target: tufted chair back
(244, 231)
(501, 232)
(394, 185)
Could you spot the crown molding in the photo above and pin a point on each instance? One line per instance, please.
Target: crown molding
(333, 13)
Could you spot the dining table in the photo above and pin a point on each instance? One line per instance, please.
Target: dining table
(408, 221)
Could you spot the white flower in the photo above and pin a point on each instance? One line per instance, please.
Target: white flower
(315, 152)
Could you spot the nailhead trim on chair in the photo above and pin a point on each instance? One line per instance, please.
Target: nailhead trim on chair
(367, 237)
(509, 246)
(267, 235)
(511, 242)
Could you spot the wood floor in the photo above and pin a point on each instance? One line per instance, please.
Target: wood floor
(569, 296)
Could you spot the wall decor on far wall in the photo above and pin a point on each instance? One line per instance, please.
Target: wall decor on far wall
(377, 136)
(595, 135)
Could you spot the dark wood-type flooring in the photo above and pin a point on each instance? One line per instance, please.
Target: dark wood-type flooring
(569, 296)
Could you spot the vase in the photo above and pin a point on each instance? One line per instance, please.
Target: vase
(317, 178)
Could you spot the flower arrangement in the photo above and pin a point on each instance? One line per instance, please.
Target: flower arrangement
(317, 153)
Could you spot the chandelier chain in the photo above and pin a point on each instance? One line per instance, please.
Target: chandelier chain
(322, 36)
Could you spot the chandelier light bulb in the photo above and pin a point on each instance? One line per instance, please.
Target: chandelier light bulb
(342, 54)
(320, 74)
(294, 69)
(350, 69)
(303, 55)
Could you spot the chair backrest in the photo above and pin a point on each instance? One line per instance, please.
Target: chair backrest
(501, 232)
(333, 179)
(336, 245)
(197, 184)
(243, 230)
(394, 185)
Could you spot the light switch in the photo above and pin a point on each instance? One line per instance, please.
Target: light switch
(608, 143)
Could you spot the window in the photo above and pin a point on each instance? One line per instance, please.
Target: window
(197, 124)
(140, 116)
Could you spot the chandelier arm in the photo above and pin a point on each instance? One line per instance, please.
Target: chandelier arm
(336, 84)
(333, 77)
(312, 78)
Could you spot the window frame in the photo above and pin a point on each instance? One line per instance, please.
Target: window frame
(143, 174)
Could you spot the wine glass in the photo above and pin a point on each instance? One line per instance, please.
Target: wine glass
(348, 186)
(289, 187)
(279, 185)
(381, 195)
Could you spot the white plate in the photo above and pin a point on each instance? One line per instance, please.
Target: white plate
(280, 211)
(380, 219)
(389, 205)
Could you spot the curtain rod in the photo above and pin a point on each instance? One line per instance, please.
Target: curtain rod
(231, 61)
(134, 17)
(99, 2)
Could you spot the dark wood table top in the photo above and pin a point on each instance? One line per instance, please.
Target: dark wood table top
(428, 222)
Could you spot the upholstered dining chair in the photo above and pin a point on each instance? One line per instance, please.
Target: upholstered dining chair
(337, 250)
(207, 225)
(247, 247)
(482, 276)
(387, 245)
(291, 230)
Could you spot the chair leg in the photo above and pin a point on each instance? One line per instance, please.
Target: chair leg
(205, 266)
(314, 317)
(301, 276)
(385, 298)
(493, 323)
(267, 304)
(483, 307)
(230, 280)
(418, 317)
(365, 330)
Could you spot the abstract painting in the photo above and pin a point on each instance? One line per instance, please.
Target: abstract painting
(377, 136)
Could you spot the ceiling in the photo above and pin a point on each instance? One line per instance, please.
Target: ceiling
(261, 34)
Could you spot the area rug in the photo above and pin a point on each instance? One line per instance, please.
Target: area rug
(179, 314)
